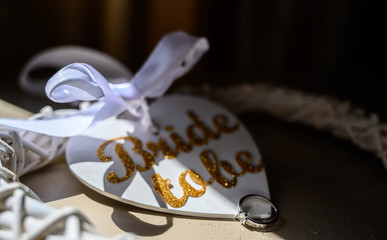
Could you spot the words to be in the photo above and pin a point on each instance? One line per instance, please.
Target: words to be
(208, 159)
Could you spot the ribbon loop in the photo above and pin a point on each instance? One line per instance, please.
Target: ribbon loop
(174, 56)
(77, 81)
(58, 57)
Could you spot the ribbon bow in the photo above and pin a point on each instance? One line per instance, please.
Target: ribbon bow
(174, 55)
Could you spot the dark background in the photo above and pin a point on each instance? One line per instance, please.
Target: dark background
(331, 47)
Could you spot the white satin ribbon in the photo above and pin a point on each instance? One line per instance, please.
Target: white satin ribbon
(58, 57)
(174, 55)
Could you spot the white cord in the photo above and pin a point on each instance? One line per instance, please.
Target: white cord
(33, 150)
(22, 214)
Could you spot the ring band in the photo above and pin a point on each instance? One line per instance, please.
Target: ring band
(261, 223)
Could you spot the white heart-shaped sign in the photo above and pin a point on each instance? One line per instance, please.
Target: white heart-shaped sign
(201, 163)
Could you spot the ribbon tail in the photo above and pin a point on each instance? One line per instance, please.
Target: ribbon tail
(69, 125)
(173, 57)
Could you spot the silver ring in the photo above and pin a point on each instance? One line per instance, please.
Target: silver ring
(263, 221)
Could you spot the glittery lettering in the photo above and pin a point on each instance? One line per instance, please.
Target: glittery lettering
(146, 156)
(163, 186)
(221, 123)
(198, 133)
(128, 163)
(165, 150)
(125, 158)
(208, 133)
(152, 147)
(210, 162)
(180, 144)
(243, 158)
(187, 188)
(194, 139)
(169, 128)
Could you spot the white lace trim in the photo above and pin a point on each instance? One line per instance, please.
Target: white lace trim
(321, 112)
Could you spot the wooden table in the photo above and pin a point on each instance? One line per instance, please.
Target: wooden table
(325, 188)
